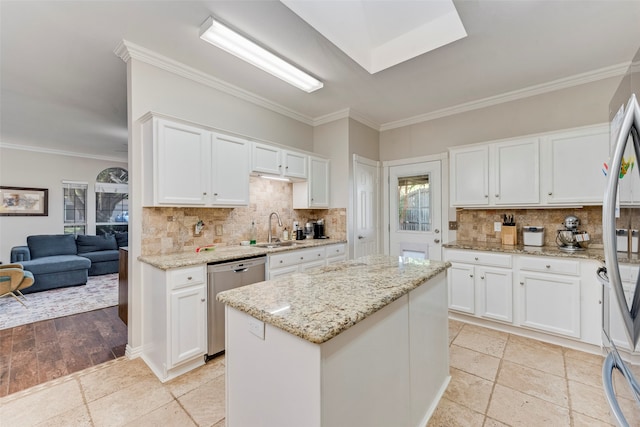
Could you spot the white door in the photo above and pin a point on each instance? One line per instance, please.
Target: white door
(414, 210)
(365, 212)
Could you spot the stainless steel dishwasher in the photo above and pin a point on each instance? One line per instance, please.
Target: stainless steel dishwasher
(222, 277)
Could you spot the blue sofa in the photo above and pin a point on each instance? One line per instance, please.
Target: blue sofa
(62, 260)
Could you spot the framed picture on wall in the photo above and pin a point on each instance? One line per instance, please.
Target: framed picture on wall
(21, 201)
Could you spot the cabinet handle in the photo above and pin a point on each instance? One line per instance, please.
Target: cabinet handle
(287, 167)
(550, 193)
(548, 266)
(279, 166)
(202, 300)
(204, 194)
(497, 195)
(522, 283)
(215, 194)
(599, 301)
(280, 261)
(471, 275)
(301, 257)
(486, 196)
(319, 254)
(476, 258)
(189, 278)
(481, 277)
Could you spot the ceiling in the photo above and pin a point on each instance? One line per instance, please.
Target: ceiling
(64, 89)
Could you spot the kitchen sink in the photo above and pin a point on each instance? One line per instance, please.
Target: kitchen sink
(276, 244)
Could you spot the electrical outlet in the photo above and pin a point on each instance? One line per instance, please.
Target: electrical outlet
(170, 218)
(219, 230)
(453, 225)
(497, 226)
(256, 327)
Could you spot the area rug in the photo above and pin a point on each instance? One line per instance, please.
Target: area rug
(99, 292)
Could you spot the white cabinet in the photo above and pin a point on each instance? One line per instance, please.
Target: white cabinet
(517, 172)
(300, 260)
(174, 331)
(549, 295)
(481, 284)
(271, 160)
(499, 174)
(336, 253)
(192, 166)
(470, 176)
(572, 166)
(555, 169)
(314, 193)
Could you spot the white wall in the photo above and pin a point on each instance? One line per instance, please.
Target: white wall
(19, 168)
(577, 106)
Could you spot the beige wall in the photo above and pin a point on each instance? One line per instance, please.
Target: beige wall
(363, 141)
(19, 168)
(577, 106)
(331, 140)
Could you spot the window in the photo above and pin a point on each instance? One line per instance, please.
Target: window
(75, 207)
(112, 201)
(414, 201)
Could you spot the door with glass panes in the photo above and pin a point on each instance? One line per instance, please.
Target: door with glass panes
(414, 210)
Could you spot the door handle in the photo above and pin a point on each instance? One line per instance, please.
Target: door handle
(436, 231)
(360, 237)
(436, 240)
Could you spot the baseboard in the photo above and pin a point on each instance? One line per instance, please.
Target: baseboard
(133, 352)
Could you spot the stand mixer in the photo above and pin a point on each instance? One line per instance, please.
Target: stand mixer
(569, 239)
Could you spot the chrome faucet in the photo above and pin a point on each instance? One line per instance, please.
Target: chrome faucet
(270, 237)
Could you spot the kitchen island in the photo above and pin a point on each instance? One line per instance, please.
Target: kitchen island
(359, 343)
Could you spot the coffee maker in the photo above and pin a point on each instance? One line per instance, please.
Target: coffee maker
(318, 229)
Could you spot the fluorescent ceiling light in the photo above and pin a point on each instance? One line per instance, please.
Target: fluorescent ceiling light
(226, 39)
(275, 178)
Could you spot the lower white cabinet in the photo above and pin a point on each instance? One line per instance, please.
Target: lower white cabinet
(174, 319)
(481, 290)
(547, 294)
(297, 261)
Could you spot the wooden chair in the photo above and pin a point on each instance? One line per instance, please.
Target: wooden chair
(14, 278)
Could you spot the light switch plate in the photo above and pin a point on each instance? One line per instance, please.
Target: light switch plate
(497, 226)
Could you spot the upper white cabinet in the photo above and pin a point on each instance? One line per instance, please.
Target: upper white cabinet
(470, 176)
(572, 166)
(192, 166)
(499, 174)
(271, 160)
(314, 193)
(555, 169)
(517, 172)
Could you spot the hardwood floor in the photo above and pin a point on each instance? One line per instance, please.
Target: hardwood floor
(38, 352)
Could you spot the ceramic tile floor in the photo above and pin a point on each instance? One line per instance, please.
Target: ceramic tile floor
(498, 379)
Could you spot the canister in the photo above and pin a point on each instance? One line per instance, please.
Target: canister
(533, 235)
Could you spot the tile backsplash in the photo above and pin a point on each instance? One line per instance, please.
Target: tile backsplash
(477, 224)
(171, 230)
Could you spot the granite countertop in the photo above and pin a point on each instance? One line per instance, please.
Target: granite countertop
(595, 253)
(320, 304)
(226, 253)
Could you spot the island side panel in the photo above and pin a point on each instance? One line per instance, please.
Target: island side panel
(365, 371)
(273, 381)
(429, 354)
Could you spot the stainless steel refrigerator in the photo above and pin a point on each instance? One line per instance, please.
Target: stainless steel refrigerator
(624, 112)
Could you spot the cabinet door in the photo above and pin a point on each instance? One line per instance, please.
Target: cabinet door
(469, 176)
(573, 163)
(460, 278)
(517, 172)
(295, 164)
(181, 172)
(230, 171)
(266, 159)
(187, 323)
(496, 293)
(281, 272)
(550, 303)
(318, 183)
(311, 265)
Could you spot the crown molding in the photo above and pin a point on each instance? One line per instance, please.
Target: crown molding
(44, 150)
(564, 83)
(127, 50)
(346, 113)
